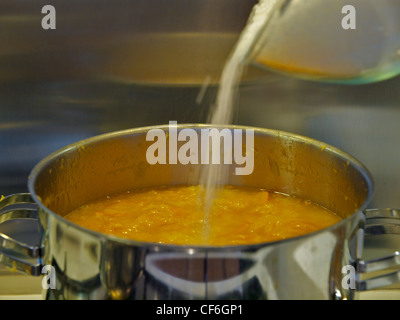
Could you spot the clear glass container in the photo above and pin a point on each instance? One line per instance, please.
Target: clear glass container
(330, 41)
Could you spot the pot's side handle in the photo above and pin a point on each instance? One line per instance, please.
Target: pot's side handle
(17, 255)
(380, 222)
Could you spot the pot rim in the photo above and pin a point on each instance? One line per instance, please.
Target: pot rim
(199, 248)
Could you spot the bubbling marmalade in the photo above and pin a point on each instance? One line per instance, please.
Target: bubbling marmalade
(172, 215)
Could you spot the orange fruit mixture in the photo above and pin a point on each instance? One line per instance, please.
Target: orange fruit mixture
(173, 215)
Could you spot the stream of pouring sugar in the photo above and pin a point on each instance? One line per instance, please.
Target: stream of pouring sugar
(215, 176)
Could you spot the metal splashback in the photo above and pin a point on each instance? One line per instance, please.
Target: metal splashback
(108, 65)
(151, 41)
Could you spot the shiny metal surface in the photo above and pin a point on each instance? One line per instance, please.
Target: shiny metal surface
(56, 87)
(20, 207)
(380, 222)
(361, 120)
(51, 95)
(90, 265)
(135, 41)
(60, 86)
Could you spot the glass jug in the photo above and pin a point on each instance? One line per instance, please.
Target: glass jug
(340, 41)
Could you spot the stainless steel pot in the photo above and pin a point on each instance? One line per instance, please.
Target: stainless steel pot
(82, 264)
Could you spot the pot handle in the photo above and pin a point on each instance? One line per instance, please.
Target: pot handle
(17, 255)
(380, 222)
